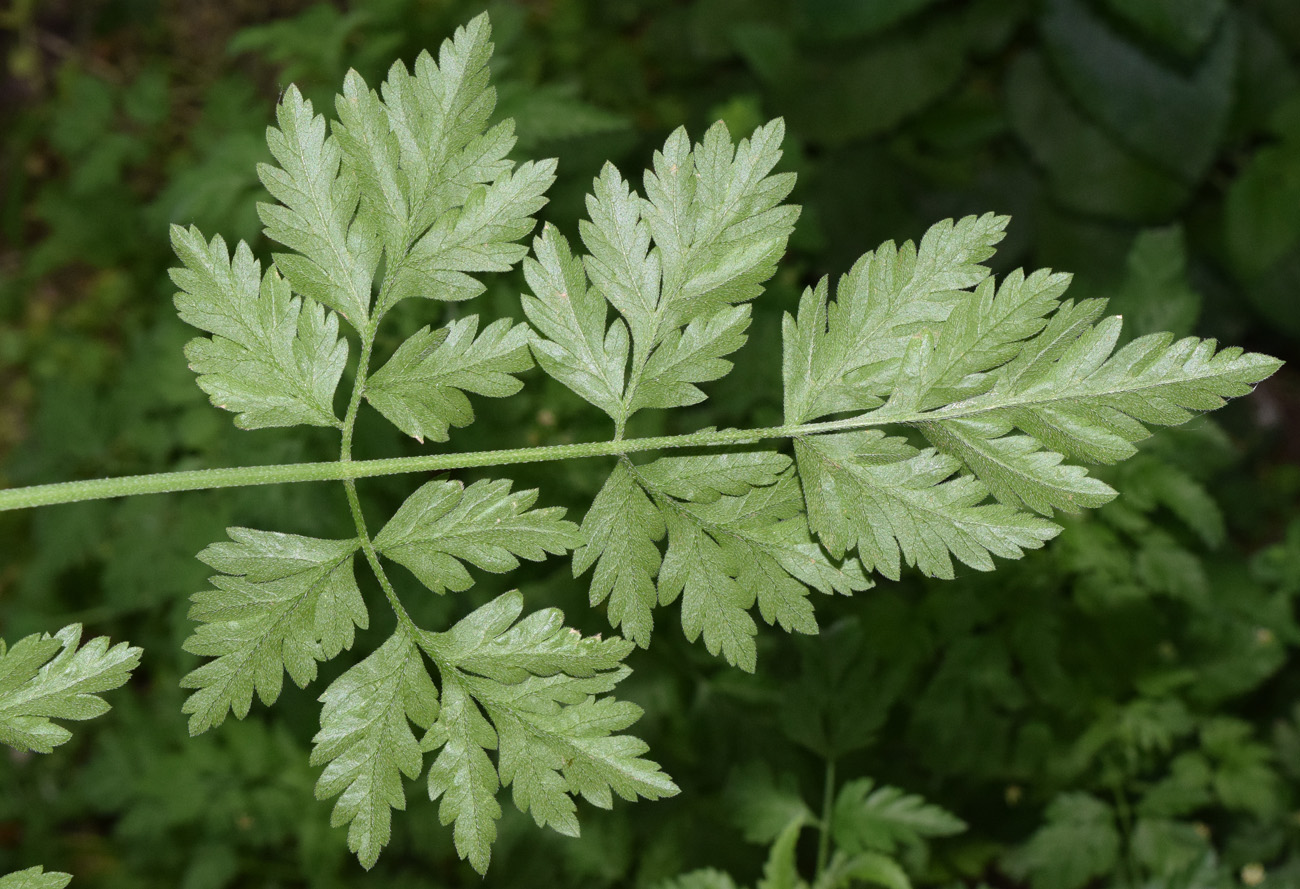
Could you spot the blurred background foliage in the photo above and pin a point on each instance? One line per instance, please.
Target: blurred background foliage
(1122, 709)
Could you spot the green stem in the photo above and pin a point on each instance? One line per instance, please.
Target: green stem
(207, 479)
(350, 484)
(828, 802)
(368, 547)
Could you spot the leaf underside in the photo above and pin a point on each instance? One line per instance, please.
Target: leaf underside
(1005, 389)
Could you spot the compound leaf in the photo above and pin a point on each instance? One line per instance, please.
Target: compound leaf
(283, 603)
(444, 524)
(273, 358)
(366, 743)
(528, 690)
(421, 389)
(44, 677)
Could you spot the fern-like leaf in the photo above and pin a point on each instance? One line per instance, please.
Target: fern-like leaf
(421, 390)
(528, 690)
(44, 677)
(273, 358)
(366, 743)
(283, 603)
(444, 524)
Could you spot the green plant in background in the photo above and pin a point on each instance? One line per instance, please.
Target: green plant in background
(994, 385)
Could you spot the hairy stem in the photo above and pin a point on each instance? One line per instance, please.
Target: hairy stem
(350, 483)
(207, 479)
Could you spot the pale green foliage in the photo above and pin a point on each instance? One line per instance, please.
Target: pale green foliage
(366, 741)
(44, 677)
(35, 878)
(412, 193)
(273, 359)
(421, 390)
(677, 266)
(444, 524)
(283, 603)
(893, 503)
(413, 176)
(536, 683)
(1005, 381)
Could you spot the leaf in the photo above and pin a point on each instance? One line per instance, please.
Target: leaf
(868, 867)
(621, 264)
(1078, 842)
(335, 260)
(1180, 25)
(1085, 402)
(620, 531)
(478, 236)
(726, 551)
(439, 113)
(691, 356)
(462, 775)
(762, 804)
(781, 870)
(844, 355)
(881, 819)
(733, 551)
(705, 238)
(1016, 469)
(984, 330)
(713, 603)
(528, 689)
(1172, 119)
(45, 677)
(571, 343)
(1086, 168)
(1156, 295)
(444, 524)
(895, 504)
(366, 744)
(715, 215)
(703, 479)
(421, 388)
(282, 603)
(550, 112)
(372, 153)
(35, 878)
(274, 359)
